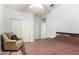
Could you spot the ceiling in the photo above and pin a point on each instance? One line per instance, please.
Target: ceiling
(25, 8)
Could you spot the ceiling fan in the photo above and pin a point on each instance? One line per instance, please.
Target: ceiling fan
(51, 5)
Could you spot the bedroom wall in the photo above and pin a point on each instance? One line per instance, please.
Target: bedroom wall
(2, 23)
(64, 18)
(12, 13)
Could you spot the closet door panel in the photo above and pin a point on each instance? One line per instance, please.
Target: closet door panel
(16, 27)
(25, 30)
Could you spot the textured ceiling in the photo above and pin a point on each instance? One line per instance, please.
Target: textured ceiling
(25, 8)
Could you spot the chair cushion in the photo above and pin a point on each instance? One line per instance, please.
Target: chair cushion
(9, 35)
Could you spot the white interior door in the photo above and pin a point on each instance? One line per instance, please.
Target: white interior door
(43, 30)
(25, 30)
(16, 27)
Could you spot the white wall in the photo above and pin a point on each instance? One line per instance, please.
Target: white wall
(2, 21)
(64, 18)
(12, 13)
(37, 27)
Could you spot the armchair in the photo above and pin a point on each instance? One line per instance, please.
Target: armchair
(9, 44)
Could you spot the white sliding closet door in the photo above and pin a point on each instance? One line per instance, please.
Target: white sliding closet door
(16, 27)
(25, 30)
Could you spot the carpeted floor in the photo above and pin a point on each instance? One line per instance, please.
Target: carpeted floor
(50, 47)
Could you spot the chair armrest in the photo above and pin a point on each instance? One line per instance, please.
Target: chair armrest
(11, 41)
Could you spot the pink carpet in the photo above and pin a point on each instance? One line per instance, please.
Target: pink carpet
(50, 47)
